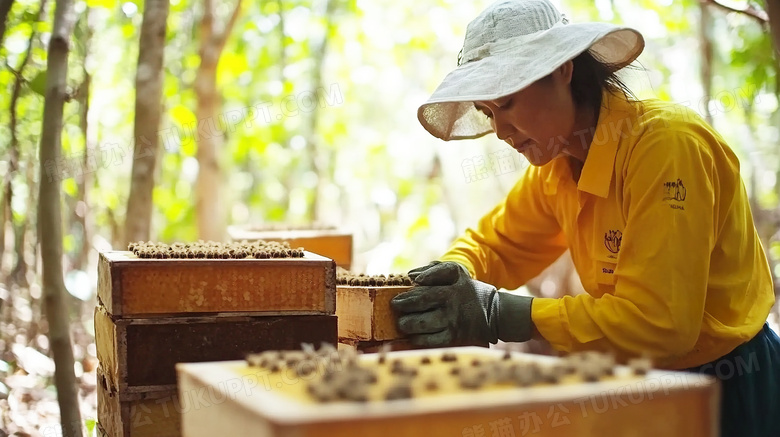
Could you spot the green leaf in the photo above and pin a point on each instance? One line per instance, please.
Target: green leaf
(182, 115)
(70, 187)
(90, 424)
(229, 64)
(108, 4)
(271, 8)
(128, 30)
(42, 26)
(38, 83)
(419, 226)
(774, 250)
(30, 16)
(68, 243)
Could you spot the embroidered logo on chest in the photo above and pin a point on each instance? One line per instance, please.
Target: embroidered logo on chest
(612, 240)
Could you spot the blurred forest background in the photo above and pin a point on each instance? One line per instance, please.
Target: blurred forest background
(299, 112)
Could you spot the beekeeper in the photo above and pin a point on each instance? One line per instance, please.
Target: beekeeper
(646, 196)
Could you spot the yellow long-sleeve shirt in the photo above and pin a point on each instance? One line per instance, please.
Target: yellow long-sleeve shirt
(660, 232)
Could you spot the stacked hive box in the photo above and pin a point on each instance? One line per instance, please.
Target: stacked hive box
(366, 321)
(468, 391)
(160, 305)
(327, 241)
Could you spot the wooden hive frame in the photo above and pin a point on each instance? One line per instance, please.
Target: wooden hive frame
(129, 286)
(138, 355)
(364, 312)
(332, 243)
(363, 307)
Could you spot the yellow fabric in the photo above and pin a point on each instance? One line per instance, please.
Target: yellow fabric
(660, 231)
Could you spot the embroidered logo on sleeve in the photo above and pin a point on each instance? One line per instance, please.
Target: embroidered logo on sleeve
(675, 192)
(612, 240)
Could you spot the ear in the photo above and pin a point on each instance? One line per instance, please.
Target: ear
(564, 72)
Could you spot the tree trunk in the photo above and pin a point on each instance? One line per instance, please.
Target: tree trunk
(5, 8)
(148, 112)
(19, 271)
(318, 159)
(32, 238)
(284, 137)
(3, 226)
(50, 221)
(705, 41)
(773, 11)
(85, 179)
(211, 216)
(7, 214)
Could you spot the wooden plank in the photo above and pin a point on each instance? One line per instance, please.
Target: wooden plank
(139, 355)
(157, 414)
(384, 319)
(364, 312)
(129, 286)
(660, 403)
(332, 243)
(355, 312)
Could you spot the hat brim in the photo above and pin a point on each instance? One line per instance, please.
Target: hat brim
(449, 113)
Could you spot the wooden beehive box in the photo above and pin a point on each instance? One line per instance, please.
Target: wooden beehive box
(157, 309)
(139, 354)
(363, 306)
(330, 242)
(263, 402)
(155, 413)
(129, 286)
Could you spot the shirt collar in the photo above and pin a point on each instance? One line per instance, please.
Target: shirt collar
(614, 123)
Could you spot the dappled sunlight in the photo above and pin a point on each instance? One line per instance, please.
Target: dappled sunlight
(313, 120)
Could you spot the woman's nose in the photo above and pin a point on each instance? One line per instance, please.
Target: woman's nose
(503, 129)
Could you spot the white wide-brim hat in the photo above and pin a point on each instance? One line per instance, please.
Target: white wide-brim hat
(510, 45)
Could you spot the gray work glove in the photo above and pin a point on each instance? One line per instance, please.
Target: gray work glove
(448, 308)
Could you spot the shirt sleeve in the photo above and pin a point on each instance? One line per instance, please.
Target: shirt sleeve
(668, 194)
(515, 241)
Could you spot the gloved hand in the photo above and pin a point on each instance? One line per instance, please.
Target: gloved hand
(449, 308)
(414, 273)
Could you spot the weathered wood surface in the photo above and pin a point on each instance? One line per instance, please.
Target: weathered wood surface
(129, 286)
(334, 244)
(139, 355)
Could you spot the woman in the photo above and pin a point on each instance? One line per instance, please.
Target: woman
(646, 196)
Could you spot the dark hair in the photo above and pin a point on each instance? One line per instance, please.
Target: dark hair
(591, 77)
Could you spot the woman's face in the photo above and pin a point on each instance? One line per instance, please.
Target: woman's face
(539, 120)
